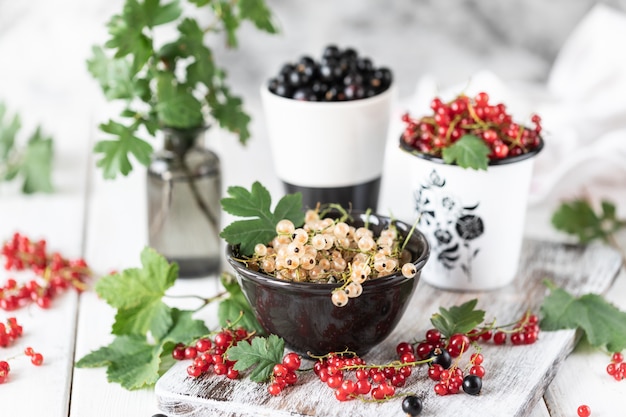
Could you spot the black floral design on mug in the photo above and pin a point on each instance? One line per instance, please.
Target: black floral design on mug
(451, 225)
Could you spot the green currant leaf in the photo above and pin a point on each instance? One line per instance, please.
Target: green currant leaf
(578, 218)
(236, 308)
(36, 167)
(8, 132)
(130, 360)
(157, 14)
(31, 161)
(138, 293)
(229, 112)
(177, 106)
(115, 152)
(258, 13)
(603, 323)
(127, 36)
(114, 75)
(185, 329)
(135, 362)
(256, 203)
(458, 319)
(261, 355)
(467, 152)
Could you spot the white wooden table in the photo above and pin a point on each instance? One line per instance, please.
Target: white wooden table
(104, 222)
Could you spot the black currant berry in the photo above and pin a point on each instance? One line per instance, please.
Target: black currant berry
(340, 75)
(159, 415)
(412, 405)
(472, 384)
(441, 356)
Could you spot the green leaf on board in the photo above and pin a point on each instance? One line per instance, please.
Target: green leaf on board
(261, 354)
(458, 319)
(603, 324)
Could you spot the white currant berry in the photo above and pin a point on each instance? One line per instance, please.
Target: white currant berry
(324, 263)
(366, 243)
(409, 270)
(318, 242)
(260, 249)
(338, 264)
(292, 262)
(311, 216)
(339, 298)
(353, 290)
(359, 275)
(307, 262)
(285, 227)
(341, 230)
(268, 265)
(295, 248)
(300, 236)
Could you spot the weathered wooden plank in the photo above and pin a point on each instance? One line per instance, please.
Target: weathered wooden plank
(517, 376)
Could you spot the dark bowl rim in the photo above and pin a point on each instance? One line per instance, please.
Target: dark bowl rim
(392, 279)
(508, 160)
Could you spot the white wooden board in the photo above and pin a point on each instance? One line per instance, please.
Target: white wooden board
(517, 376)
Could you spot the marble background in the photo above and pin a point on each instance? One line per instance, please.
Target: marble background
(44, 45)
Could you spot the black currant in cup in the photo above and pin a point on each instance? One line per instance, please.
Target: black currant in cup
(339, 75)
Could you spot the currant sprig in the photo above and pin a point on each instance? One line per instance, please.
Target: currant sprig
(54, 273)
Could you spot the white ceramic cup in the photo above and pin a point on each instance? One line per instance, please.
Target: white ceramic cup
(329, 150)
(473, 220)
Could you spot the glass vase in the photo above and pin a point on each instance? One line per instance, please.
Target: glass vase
(184, 191)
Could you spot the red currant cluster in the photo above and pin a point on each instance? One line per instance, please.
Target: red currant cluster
(9, 331)
(56, 274)
(284, 373)
(617, 367)
(210, 355)
(524, 332)
(478, 117)
(440, 352)
(36, 359)
(379, 382)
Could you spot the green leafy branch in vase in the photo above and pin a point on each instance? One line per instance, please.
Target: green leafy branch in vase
(175, 84)
(31, 162)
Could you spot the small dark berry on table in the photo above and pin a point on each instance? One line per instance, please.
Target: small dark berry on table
(472, 384)
(441, 356)
(412, 405)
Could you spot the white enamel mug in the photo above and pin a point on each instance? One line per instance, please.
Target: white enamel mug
(329, 151)
(473, 220)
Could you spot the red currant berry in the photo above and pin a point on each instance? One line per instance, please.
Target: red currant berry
(617, 357)
(584, 411)
(433, 336)
(36, 359)
(292, 361)
(204, 344)
(477, 370)
(274, 389)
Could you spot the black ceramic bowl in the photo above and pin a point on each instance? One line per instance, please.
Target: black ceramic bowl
(304, 315)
